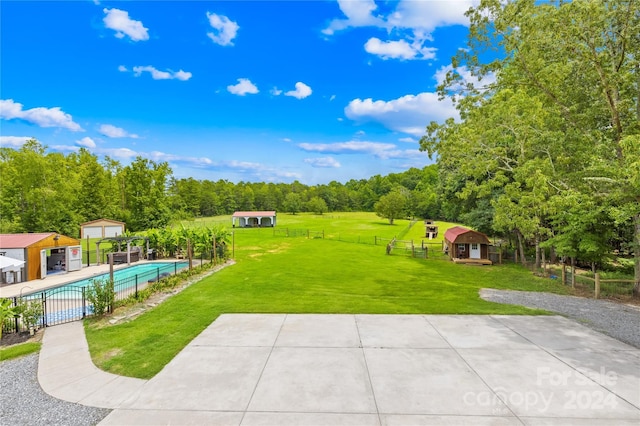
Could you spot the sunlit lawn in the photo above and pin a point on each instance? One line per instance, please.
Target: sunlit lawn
(276, 274)
(16, 351)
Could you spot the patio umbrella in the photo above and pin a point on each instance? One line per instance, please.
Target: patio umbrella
(10, 262)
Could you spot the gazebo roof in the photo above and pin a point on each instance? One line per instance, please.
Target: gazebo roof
(254, 214)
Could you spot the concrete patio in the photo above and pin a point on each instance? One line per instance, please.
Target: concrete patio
(365, 370)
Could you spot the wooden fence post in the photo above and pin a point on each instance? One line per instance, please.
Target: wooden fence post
(597, 286)
(564, 273)
(573, 272)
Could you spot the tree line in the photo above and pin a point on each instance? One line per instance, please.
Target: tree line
(44, 191)
(549, 150)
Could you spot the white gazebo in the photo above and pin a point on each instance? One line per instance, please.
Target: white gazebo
(254, 219)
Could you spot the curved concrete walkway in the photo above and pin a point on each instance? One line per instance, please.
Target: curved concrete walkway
(66, 371)
(364, 370)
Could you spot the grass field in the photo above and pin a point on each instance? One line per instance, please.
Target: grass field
(19, 350)
(279, 274)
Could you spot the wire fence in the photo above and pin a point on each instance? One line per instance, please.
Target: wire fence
(585, 282)
(347, 237)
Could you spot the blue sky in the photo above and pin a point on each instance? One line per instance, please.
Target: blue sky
(272, 91)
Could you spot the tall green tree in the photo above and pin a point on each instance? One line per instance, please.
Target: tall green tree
(392, 206)
(317, 205)
(145, 183)
(580, 62)
(292, 203)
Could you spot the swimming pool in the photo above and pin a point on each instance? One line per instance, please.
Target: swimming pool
(125, 279)
(69, 302)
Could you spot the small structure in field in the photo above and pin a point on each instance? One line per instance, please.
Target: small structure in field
(44, 254)
(257, 219)
(101, 228)
(467, 246)
(431, 229)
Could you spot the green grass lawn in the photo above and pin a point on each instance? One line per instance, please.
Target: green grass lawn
(17, 351)
(276, 274)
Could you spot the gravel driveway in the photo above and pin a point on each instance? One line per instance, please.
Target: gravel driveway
(23, 402)
(614, 319)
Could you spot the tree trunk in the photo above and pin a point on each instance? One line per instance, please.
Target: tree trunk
(537, 265)
(636, 253)
(521, 248)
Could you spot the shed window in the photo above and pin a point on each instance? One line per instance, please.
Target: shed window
(461, 247)
(474, 246)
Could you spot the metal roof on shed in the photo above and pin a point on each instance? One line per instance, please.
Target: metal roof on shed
(22, 240)
(102, 220)
(452, 234)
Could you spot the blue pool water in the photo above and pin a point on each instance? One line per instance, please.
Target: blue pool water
(129, 277)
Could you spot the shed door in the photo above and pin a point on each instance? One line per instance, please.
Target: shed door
(74, 258)
(474, 251)
(43, 264)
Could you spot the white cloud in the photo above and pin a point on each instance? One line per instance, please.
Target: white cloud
(358, 14)
(302, 91)
(64, 148)
(162, 75)
(399, 49)
(122, 68)
(225, 30)
(412, 20)
(425, 16)
(276, 92)
(112, 131)
(407, 114)
(322, 162)
(243, 87)
(182, 75)
(249, 170)
(258, 171)
(119, 21)
(408, 140)
(351, 147)
(421, 17)
(466, 78)
(383, 151)
(332, 98)
(14, 141)
(403, 154)
(123, 153)
(86, 142)
(286, 140)
(158, 156)
(43, 117)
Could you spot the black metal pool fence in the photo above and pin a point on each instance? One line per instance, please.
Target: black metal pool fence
(69, 303)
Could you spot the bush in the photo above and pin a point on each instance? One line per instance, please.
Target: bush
(101, 295)
(31, 311)
(6, 311)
